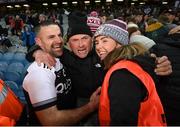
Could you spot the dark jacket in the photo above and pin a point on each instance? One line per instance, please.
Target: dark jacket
(87, 74)
(170, 46)
(169, 86)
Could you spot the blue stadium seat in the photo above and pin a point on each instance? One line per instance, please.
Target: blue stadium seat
(16, 67)
(1, 75)
(20, 57)
(22, 49)
(12, 49)
(3, 66)
(21, 95)
(8, 56)
(1, 55)
(12, 76)
(13, 86)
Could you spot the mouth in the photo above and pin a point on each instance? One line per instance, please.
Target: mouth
(82, 51)
(57, 47)
(102, 54)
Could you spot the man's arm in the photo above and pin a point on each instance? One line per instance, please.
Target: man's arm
(39, 83)
(163, 65)
(29, 55)
(36, 54)
(53, 116)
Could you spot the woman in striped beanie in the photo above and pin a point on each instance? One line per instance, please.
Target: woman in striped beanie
(128, 94)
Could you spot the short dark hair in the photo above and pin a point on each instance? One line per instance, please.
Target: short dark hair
(44, 23)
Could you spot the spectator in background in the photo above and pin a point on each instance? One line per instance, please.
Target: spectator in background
(155, 29)
(103, 17)
(29, 19)
(133, 29)
(28, 36)
(169, 89)
(171, 15)
(137, 18)
(136, 36)
(38, 18)
(42, 18)
(93, 21)
(18, 25)
(165, 21)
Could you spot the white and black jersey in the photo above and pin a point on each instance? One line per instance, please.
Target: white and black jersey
(45, 87)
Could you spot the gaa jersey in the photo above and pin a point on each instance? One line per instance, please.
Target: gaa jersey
(45, 87)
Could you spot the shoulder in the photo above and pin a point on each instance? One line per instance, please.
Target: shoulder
(39, 68)
(123, 75)
(124, 82)
(123, 79)
(40, 83)
(39, 74)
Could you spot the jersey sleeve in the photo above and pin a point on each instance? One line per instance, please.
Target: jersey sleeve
(40, 85)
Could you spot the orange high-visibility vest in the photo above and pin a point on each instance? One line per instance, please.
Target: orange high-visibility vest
(10, 106)
(151, 111)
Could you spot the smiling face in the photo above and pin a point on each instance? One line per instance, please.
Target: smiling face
(80, 44)
(50, 39)
(104, 45)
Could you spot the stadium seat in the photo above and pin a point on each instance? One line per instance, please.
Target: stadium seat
(3, 66)
(19, 57)
(1, 75)
(1, 55)
(16, 67)
(8, 56)
(12, 49)
(22, 49)
(21, 95)
(13, 86)
(12, 76)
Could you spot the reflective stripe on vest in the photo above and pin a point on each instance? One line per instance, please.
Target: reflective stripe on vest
(151, 112)
(10, 106)
(3, 93)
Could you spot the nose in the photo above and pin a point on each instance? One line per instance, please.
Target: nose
(98, 46)
(59, 39)
(81, 43)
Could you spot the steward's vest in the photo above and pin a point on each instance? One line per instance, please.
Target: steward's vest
(10, 107)
(151, 111)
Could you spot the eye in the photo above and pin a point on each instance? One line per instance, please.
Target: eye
(104, 40)
(75, 40)
(51, 36)
(96, 43)
(85, 38)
